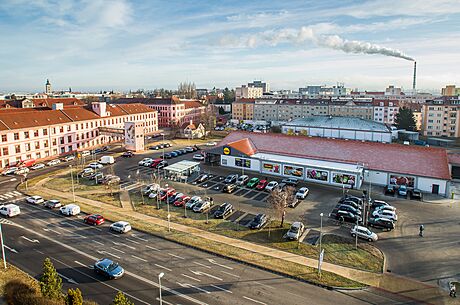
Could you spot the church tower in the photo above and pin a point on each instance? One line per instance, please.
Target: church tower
(48, 87)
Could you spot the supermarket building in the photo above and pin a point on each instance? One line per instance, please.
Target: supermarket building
(343, 163)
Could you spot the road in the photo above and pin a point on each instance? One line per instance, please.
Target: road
(191, 276)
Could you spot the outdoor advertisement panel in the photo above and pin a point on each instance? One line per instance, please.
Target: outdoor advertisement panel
(402, 180)
(317, 174)
(292, 170)
(243, 162)
(348, 180)
(271, 168)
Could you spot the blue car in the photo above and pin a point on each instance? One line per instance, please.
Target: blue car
(108, 268)
(173, 154)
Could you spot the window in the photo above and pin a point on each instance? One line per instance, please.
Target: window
(26, 134)
(38, 155)
(37, 145)
(16, 136)
(61, 129)
(5, 151)
(17, 148)
(54, 142)
(68, 127)
(45, 132)
(4, 139)
(61, 140)
(69, 139)
(35, 133)
(27, 146)
(45, 143)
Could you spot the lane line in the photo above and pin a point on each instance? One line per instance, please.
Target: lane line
(102, 252)
(216, 263)
(153, 248)
(177, 256)
(69, 224)
(46, 230)
(139, 258)
(113, 248)
(133, 241)
(165, 302)
(97, 242)
(160, 266)
(255, 301)
(192, 286)
(231, 274)
(263, 285)
(220, 288)
(202, 265)
(140, 238)
(120, 244)
(191, 277)
(207, 274)
(11, 249)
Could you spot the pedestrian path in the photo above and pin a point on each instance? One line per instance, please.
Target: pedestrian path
(9, 196)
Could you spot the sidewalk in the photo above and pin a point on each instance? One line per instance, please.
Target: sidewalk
(406, 287)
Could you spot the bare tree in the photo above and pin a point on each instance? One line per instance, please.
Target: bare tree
(277, 200)
(187, 90)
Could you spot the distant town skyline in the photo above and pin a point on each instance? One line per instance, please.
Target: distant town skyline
(122, 45)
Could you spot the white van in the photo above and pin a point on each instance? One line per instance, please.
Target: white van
(85, 153)
(70, 210)
(10, 210)
(107, 160)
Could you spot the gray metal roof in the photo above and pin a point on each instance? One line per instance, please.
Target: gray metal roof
(338, 122)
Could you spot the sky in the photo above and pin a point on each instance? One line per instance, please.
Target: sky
(92, 45)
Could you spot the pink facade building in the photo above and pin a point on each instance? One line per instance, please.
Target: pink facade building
(40, 133)
(385, 110)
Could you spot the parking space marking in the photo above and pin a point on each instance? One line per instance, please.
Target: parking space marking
(163, 267)
(176, 256)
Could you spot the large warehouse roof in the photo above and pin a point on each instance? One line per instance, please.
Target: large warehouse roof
(395, 158)
(338, 122)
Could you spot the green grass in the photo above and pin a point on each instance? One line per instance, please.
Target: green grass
(11, 273)
(113, 199)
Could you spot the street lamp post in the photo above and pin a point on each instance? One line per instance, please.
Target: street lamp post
(73, 187)
(167, 203)
(159, 283)
(163, 149)
(356, 235)
(321, 232)
(3, 247)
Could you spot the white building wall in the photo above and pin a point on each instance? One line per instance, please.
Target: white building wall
(426, 185)
(376, 177)
(230, 162)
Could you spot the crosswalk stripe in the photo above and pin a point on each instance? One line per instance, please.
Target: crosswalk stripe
(2, 198)
(17, 193)
(8, 195)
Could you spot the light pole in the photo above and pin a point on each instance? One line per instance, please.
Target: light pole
(73, 187)
(356, 235)
(321, 232)
(167, 203)
(3, 247)
(163, 149)
(159, 283)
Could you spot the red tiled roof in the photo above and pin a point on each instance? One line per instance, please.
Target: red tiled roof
(193, 104)
(386, 103)
(48, 102)
(394, 158)
(244, 145)
(454, 158)
(245, 100)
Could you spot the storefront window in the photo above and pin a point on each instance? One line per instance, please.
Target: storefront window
(268, 167)
(243, 162)
(294, 171)
(316, 174)
(402, 180)
(346, 179)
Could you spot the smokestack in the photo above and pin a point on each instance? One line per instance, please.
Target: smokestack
(415, 75)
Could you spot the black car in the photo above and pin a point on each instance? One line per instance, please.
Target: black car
(224, 209)
(229, 188)
(231, 179)
(166, 145)
(415, 194)
(178, 152)
(258, 222)
(351, 203)
(127, 154)
(168, 156)
(348, 208)
(357, 200)
(156, 147)
(346, 216)
(161, 165)
(290, 181)
(173, 154)
(183, 151)
(381, 223)
(389, 190)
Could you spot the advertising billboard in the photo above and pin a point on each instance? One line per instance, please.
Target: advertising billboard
(316, 174)
(346, 179)
(273, 168)
(243, 162)
(402, 180)
(295, 171)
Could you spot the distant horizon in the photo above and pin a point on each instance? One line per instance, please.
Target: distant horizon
(123, 44)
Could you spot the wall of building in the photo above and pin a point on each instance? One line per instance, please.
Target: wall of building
(231, 161)
(340, 133)
(426, 185)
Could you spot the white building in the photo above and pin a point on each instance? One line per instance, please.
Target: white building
(248, 92)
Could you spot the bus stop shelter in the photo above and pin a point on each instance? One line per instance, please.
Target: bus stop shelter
(182, 170)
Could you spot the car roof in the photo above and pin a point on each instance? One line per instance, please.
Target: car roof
(296, 224)
(121, 222)
(360, 227)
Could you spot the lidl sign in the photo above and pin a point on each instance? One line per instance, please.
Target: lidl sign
(226, 150)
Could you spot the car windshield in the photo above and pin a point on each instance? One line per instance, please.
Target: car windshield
(112, 266)
(294, 229)
(118, 225)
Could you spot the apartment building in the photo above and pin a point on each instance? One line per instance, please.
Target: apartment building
(450, 90)
(39, 133)
(288, 109)
(248, 92)
(352, 108)
(243, 109)
(385, 110)
(441, 117)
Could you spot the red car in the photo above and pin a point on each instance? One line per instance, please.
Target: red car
(182, 201)
(262, 184)
(94, 219)
(167, 193)
(156, 162)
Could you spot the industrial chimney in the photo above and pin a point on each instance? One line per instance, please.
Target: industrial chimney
(415, 75)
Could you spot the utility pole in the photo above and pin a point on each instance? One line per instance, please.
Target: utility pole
(3, 247)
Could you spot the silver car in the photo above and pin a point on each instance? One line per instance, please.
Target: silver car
(296, 230)
(363, 232)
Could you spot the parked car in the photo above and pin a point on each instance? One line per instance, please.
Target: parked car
(352, 203)
(156, 162)
(68, 158)
(143, 161)
(377, 203)
(156, 147)
(242, 180)
(70, 210)
(416, 194)
(232, 178)
(96, 176)
(161, 165)
(52, 204)
(381, 223)
(385, 214)
(94, 219)
(95, 165)
(22, 171)
(202, 206)
(258, 222)
(127, 154)
(166, 193)
(389, 190)
(262, 184)
(349, 208)
(53, 162)
(9, 171)
(253, 182)
(189, 149)
(10, 210)
(38, 166)
(180, 202)
(198, 157)
(296, 230)
(167, 156)
(107, 160)
(108, 268)
(358, 201)
(193, 201)
(291, 181)
(302, 193)
(166, 145)
(385, 207)
(183, 150)
(271, 186)
(86, 172)
(85, 153)
(224, 210)
(346, 216)
(150, 188)
(35, 199)
(402, 191)
(211, 144)
(292, 202)
(202, 178)
(120, 227)
(363, 232)
(176, 196)
(111, 180)
(229, 188)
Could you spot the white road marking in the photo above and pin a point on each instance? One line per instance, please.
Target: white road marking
(39, 251)
(133, 241)
(202, 265)
(160, 266)
(191, 277)
(220, 288)
(113, 248)
(206, 274)
(153, 248)
(31, 240)
(192, 286)
(68, 279)
(165, 302)
(81, 264)
(176, 256)
(231, 274)
(137, 237)
(46, 229)
(11, 249)
(216, 263)
(120, 244)
(255, 301)
(102, 252)
(69, 224)
(139, 258)
(97, 242)
(263, 285)
(17, 193)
